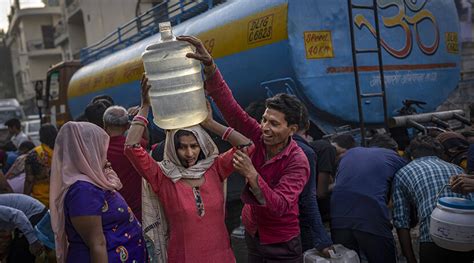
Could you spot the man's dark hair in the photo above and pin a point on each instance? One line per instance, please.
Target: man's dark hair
(95, 113)
(48, 133)
(383, 141)
(289, 105)
(26, 146)
(424, 145)
(345, 141)
(106, 99)
(13, 123)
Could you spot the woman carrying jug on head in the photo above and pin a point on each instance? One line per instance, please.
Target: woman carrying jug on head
(188, 183)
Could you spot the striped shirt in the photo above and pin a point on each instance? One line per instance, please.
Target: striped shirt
(418, 183)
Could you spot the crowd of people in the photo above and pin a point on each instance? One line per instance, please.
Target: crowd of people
(115, 188)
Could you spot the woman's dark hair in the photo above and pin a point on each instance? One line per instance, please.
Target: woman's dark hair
(95, 113)
(424, 145)
(48, 133)
(289, 105)
(26, 146)
(106, 99)
(177, 143)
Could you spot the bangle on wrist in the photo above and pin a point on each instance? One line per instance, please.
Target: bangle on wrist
(140, 118)
(139, 123)
(227, 133)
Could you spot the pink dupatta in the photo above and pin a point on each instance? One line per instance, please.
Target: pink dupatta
(80, 154)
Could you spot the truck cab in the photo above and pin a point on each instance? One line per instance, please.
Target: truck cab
(57, 81)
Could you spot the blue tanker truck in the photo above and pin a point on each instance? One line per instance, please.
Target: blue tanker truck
(350, 62)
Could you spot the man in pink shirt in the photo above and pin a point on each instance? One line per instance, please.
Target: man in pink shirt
(116, 123)
(276, 172)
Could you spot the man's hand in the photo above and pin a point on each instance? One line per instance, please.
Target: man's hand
(325, 252)
(201, 53)
(36, 248)
(243, 165)
(463, 184)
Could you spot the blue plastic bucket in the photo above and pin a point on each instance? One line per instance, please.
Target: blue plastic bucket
(44, 232)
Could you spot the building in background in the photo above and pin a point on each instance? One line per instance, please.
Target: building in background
(7, 86)
(86, 22)
(30, 38)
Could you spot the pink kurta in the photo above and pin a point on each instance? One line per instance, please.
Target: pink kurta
(192, 238)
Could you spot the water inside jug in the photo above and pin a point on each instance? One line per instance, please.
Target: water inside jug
(177, 93)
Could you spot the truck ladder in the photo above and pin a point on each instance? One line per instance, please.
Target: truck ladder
(355, 52)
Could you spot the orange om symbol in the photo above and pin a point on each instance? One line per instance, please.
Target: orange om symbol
(404, 21)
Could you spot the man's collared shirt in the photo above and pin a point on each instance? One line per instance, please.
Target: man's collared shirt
(281, 179)
(418, 184)
(19, 139)
(15, 212)
(362, 189)
(131, 180)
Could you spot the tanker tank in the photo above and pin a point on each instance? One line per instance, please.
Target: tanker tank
(304, 47)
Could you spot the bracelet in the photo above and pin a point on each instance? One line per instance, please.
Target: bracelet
(227, 133)
(139, 123)
(140, 118)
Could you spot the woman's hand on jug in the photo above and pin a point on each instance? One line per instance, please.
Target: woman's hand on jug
(145, 89)
(209, 119)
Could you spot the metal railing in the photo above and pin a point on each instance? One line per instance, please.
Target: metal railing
(59, 29)
(144, 26)
(35, 44)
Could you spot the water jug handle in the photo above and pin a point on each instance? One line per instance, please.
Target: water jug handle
(165, 31)
(441, 190)
(448, 185)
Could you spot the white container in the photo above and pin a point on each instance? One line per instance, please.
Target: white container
(177, 93)
(340, 254)
(452, 224)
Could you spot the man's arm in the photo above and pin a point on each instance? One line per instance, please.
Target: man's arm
(17, 219)
(279, 199)
(309, 203)
(324, 180)
(463, 184)
(401, 217)
(216, 87)
(405, 242)
(234, 115)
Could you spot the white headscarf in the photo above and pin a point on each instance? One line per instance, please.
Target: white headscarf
(171, 165)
